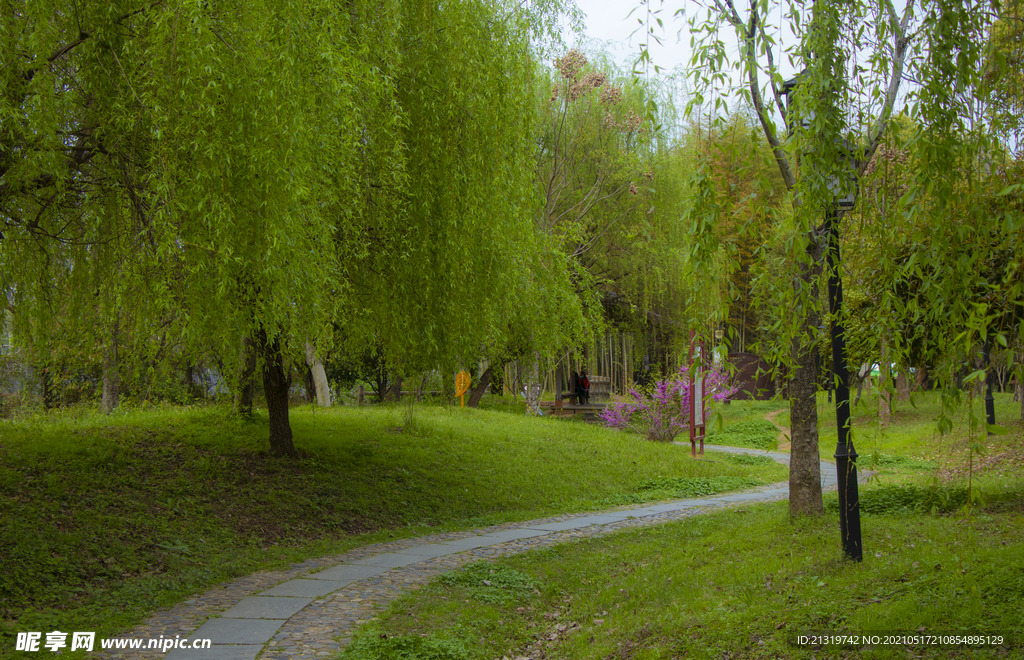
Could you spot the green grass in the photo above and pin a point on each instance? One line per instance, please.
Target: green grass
(107, 517)
(742, 584)
(754, 434)
(738, 584)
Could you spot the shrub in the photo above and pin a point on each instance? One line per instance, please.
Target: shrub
(662, 413)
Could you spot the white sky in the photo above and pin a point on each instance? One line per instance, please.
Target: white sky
(607, 25)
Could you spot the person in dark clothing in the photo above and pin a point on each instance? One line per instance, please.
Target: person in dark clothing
(583, 388)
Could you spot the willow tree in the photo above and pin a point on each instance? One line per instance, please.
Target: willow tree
(221, 140)
(454, 267)
(854, 56)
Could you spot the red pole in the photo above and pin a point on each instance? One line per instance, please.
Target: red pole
(693, 428)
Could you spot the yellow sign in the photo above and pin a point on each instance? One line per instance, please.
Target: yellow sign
(462, 381)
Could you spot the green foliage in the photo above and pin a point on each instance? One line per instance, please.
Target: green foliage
(369, 645)
(900, 462)
(316, 171)
(491, 583)
(906, 499)
(747, 459)
(682, 487)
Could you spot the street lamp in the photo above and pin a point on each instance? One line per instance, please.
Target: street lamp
(844, 197)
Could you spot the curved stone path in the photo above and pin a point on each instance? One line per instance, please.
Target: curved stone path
(311, 609)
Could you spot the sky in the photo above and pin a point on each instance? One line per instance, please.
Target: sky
(607, 24)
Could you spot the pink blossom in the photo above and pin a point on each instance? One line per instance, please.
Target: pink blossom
(664, 412)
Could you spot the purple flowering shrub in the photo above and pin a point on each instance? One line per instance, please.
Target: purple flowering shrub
(657, 415)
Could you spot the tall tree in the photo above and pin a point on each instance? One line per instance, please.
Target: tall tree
(854, 56)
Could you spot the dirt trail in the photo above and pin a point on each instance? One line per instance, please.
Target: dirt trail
(784, 434)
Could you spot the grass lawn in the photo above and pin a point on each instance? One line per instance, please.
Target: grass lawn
(745, 583)
(738, 584)
(106, 518)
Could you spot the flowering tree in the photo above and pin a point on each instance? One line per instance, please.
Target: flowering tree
(664, 412)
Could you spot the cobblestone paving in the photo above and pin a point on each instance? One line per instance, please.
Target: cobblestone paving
(327, 623)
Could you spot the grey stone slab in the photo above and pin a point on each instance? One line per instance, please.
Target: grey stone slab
(740, 497)
(266, 607)
(306, 588)
(428, 551)
(390, 560)
(513, 535)
(616, 516)
(343, 572)
(237, 631)
(691, 504)
(604, 518)
(658, 508)
(217, 652)
(469, 543)
(561, 526)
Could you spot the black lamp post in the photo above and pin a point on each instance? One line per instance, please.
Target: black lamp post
(844, 197)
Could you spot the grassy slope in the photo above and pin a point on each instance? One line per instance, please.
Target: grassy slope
(107, 517)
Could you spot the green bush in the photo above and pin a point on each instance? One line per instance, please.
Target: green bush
(695, 486)
(882, 460)
(374, 645)
(909, 499)
(748, 459)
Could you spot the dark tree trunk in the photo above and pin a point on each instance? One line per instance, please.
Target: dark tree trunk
(902, 385)
(307, 382)
(884, 396)
(247, 382)
(922, 377)
(395, 391)
(49, 394)
(188, 382)
(419, 390)
(276, 385)
(111, 376)
(804, 462)
(477, 392)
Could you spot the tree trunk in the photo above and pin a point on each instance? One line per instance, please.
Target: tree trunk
(922, 377)
(188, 382)
(979, 364)
(448, 385)
(863, 375)
(247, 380)
(308, 385)
(477, 393)
(1018, 390)
(884, 396)
(395, 391)
(316, 367)
(902, 384)
(46, 384)
(276, 385)
(804, 462)
(111, 375)
(533, 387)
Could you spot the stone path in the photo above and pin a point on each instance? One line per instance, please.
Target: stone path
(311, 609)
